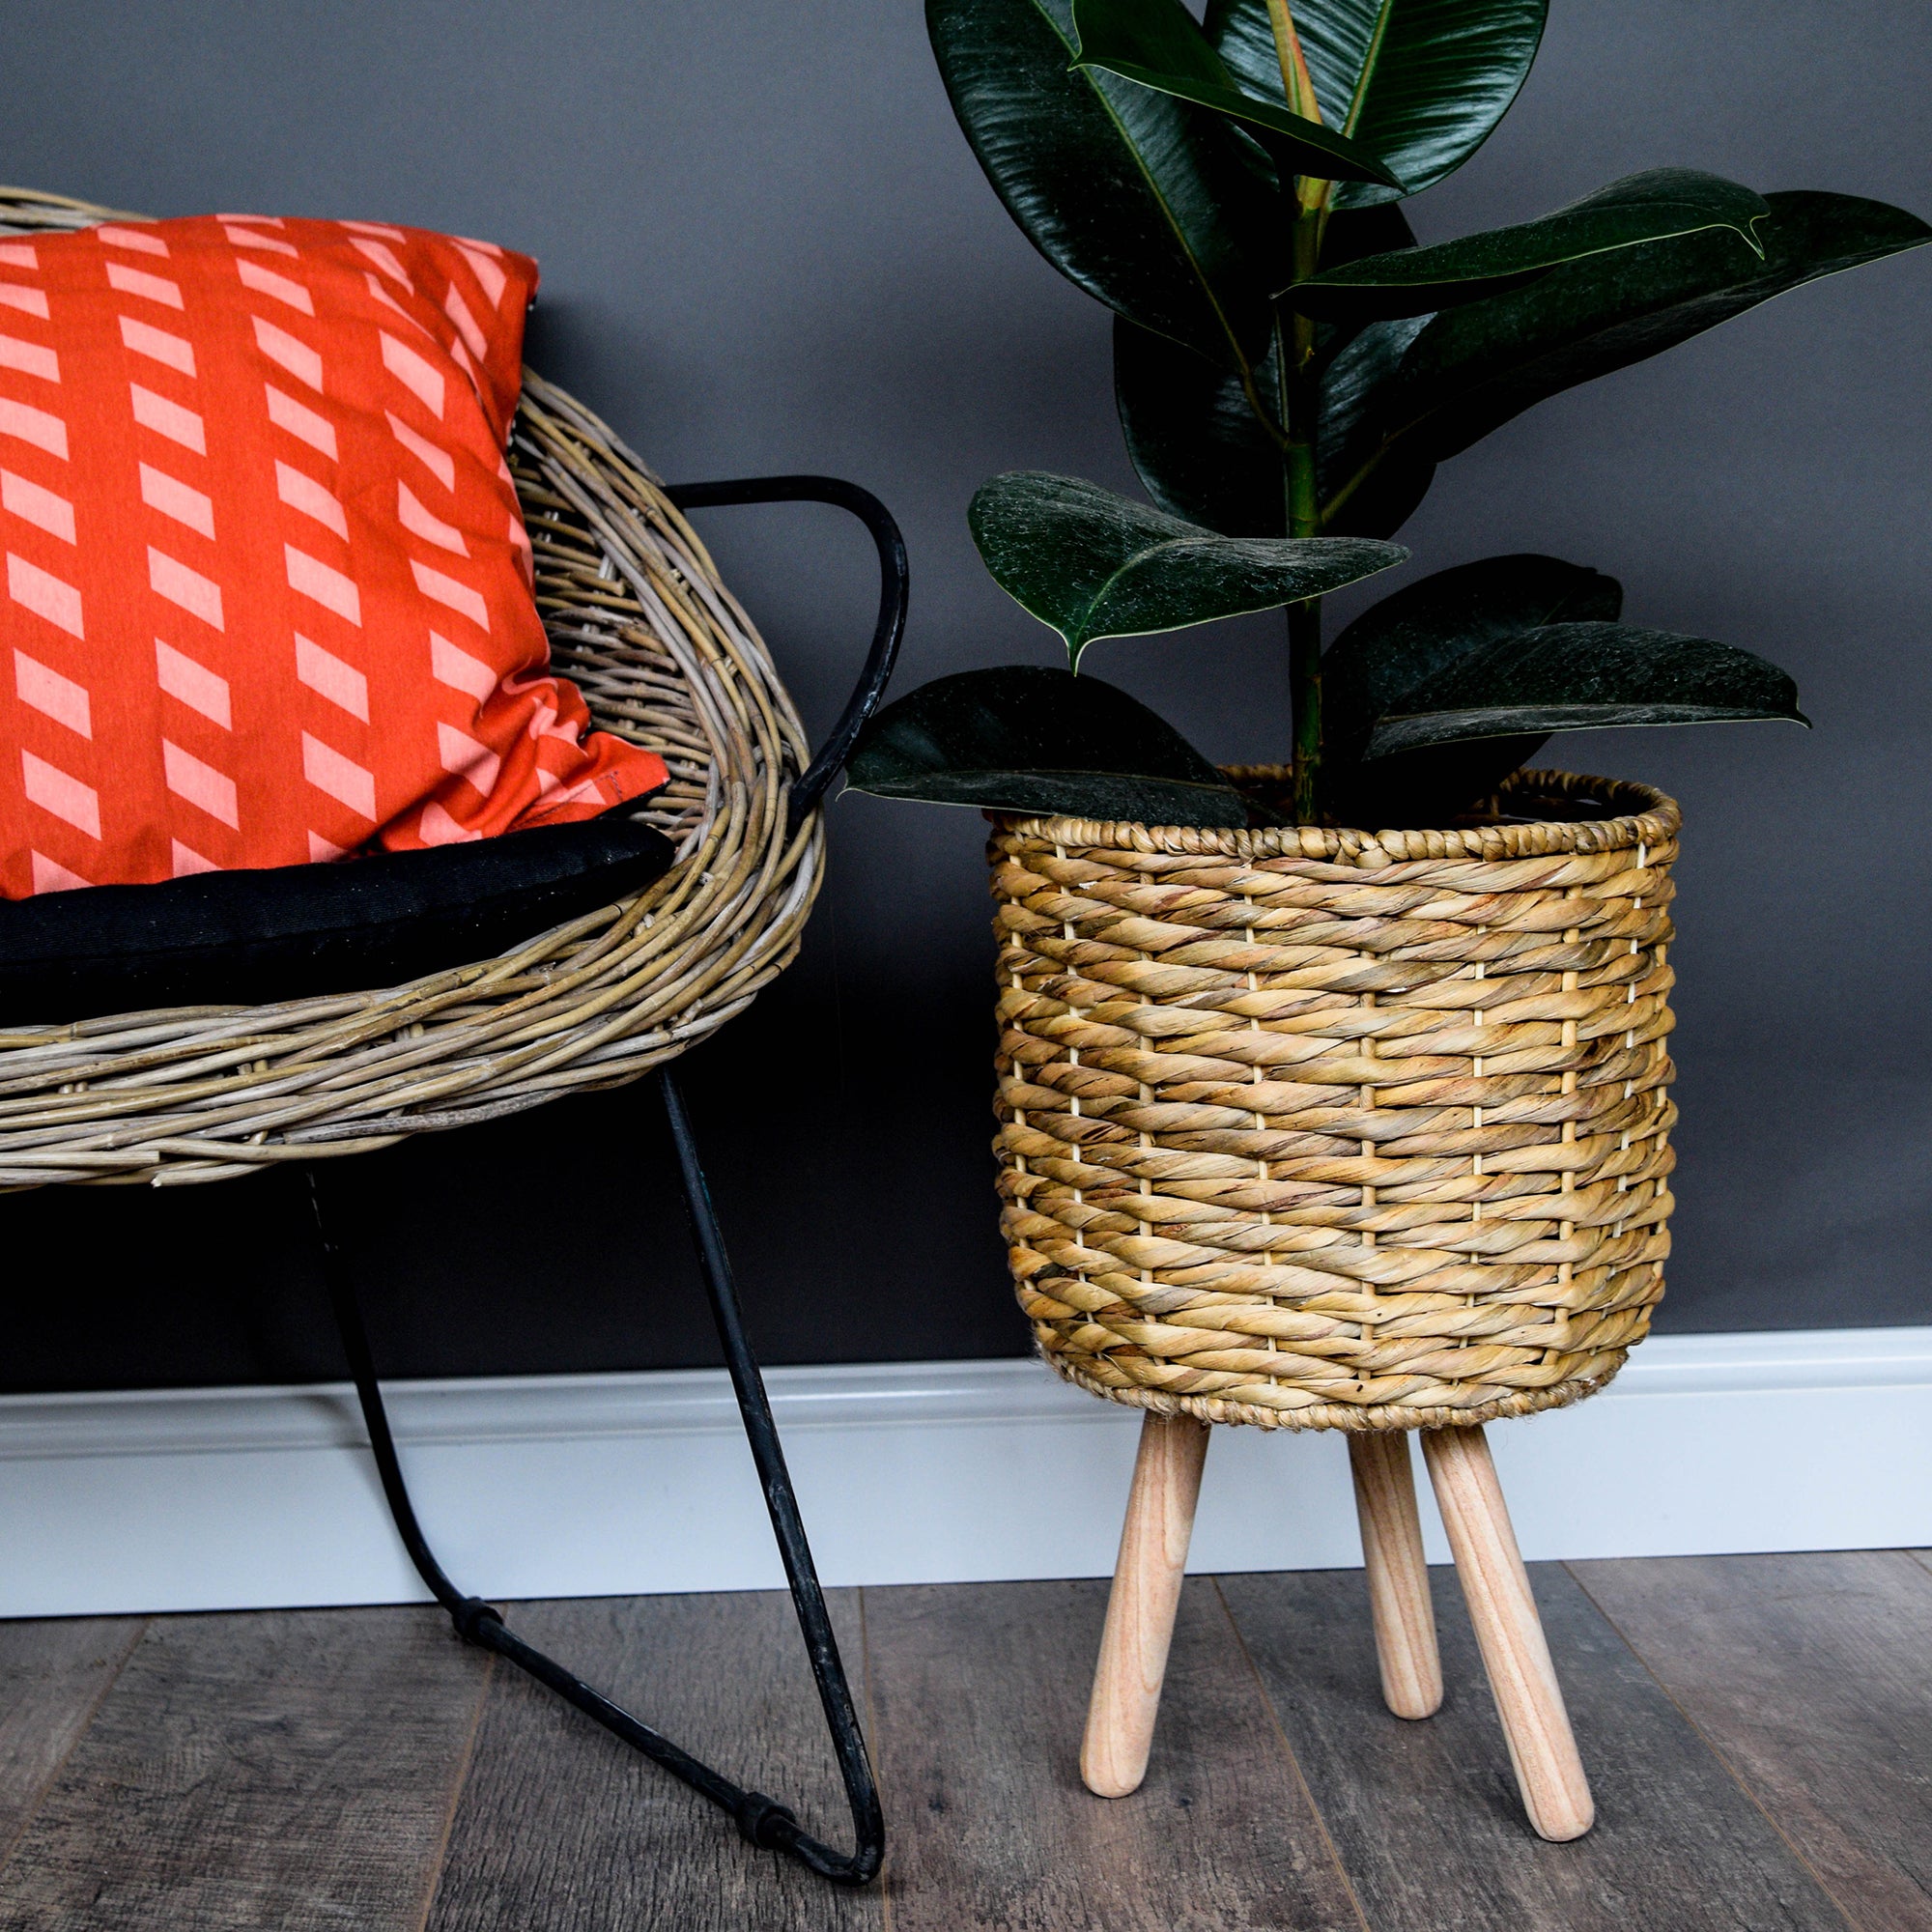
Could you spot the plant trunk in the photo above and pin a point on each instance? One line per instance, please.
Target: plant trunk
(1298, 398)
(1304, 675)
(1294, 337)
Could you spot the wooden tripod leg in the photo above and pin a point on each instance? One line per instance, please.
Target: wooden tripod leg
(1141, 1605)
(1536, 1726)
(1405, 1618)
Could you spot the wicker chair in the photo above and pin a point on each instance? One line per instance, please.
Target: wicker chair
(664, 655)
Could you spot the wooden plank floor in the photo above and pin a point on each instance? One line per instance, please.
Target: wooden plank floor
(1758, 1730)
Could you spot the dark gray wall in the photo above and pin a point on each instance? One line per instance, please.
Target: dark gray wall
(766, 247)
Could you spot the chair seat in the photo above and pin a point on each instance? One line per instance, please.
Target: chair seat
(256, 938)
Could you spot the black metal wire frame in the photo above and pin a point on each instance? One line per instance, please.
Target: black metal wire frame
(760, 1819)
(893, 588)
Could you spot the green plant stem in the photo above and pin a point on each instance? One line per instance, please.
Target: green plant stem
(1304, 671)
(1300, 401)
(1294, 336)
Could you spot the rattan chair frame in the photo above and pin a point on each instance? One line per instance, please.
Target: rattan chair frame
(638, 617)
(665, 657)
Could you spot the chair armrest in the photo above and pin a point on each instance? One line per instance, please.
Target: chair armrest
(893, 585)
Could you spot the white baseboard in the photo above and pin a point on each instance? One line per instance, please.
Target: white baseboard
(934, 1473)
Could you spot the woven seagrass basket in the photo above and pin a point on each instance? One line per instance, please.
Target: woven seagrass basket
(1330, 1129)
(665, 657)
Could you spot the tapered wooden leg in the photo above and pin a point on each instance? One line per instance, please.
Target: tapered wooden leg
(1536, 1726)
(1405, 1618)
(1141, 1605)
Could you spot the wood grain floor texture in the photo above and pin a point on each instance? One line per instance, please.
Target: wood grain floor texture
(1758, 1730)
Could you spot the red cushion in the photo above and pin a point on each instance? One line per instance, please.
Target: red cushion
(267, 593)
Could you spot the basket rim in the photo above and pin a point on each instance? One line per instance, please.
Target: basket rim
(1647, 816)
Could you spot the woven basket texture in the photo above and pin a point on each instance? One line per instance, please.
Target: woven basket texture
(1322, 1130)
(664, 657)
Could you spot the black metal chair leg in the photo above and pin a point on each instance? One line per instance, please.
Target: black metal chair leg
(760, 1819)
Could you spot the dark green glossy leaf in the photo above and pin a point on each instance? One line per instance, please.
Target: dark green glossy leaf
(1469, 370)
(1435, 785)
(1355, 360)
(1362, 495)
(1159, 44)
(1352, 232)
(1419, 82)
(1023, 738)
(1202, 451)
(1568, 677)
(1655, 206)
(1092, 564)
(1416, 634)
(1199, 448)
(1156, 207)
(1351, 236)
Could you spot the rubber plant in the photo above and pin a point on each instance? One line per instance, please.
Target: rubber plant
(1290, 368)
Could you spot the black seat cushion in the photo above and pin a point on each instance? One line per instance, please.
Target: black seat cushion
(247, 938)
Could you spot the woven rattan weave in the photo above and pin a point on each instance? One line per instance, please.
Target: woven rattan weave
(665, 656)
(1328, 1129)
